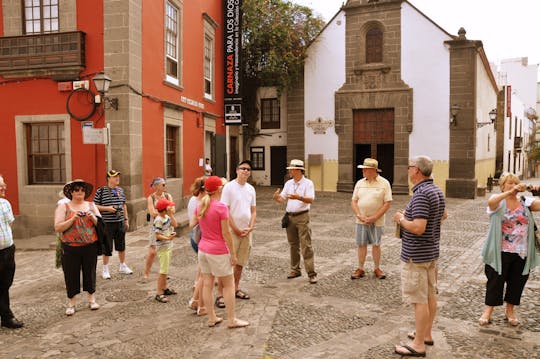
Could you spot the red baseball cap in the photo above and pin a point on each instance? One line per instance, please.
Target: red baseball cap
(163, 204)
(212, 183)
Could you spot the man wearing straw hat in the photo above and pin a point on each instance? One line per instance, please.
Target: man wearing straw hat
(299, 193)
(371, 199)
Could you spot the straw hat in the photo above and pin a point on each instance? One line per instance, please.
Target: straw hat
(296, 165)
(68, 188)
(370, 163)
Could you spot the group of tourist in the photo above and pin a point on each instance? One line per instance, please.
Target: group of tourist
(222, 217)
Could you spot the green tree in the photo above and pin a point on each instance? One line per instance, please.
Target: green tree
(276, 34)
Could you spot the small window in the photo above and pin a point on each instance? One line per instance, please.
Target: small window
(40, 16)
(171, 152)
(208, 66)
(171, 43)
(374, 45)
(270, 118)
(46, 157)
(257, 158)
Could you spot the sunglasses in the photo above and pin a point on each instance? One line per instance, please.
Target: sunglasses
(244, 169)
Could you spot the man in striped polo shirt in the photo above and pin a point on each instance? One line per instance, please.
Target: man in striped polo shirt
(111, 202)
(421, 232)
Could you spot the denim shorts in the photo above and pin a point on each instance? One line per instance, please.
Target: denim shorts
(368, 234)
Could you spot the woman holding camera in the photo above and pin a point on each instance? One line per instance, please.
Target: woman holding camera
(76, 222)
(508, 253)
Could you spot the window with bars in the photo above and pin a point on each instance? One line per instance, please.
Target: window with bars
(46, 157)
(171, 42)
(257, 158)
(208, 65)
(374, 45)
(40, 16)
(270, 113)
(171, 152)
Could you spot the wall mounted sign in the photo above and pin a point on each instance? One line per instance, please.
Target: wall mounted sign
(319, 125)
(232, 43)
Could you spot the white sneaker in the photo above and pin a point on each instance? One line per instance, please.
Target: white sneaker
(124, 269)
(93, 305)
(105, 273)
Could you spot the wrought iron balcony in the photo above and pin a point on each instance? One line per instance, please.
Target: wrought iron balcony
(60, 55)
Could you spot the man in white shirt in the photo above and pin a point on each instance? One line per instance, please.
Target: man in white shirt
(299, 193)
(371, 199)
(240, 197)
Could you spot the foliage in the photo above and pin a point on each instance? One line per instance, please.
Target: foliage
(534, 154)
(276, 34)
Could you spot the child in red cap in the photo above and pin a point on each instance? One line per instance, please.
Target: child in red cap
(163, 226)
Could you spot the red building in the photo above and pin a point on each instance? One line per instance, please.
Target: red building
(164, 106)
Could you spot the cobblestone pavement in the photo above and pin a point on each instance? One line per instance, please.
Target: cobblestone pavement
(336, 318)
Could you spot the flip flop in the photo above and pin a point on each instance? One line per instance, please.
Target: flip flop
(412, 335)
(219, 303)
(411, 351)
(238, 323)
(241, 294)
(215, 322)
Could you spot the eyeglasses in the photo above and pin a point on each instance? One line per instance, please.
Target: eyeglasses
(244, 169)
(409, 167)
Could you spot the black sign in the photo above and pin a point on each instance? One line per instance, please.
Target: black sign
(232, 43)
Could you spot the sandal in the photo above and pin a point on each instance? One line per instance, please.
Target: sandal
(168, 291)
(483, 321)
(241, 294)
(162, 298)
(193, 303)
(412, 335)
(215, 322)
(512, 321)
(219, 302)
(238, 323)
(201, 311)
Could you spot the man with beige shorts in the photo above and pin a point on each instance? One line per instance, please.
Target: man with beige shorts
(421, 233)
(240, 197)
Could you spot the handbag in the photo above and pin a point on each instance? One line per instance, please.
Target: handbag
(197, 234)
(285, 220)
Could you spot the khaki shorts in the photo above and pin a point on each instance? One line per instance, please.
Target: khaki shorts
(418, 281)
(164, 256)
(219, 265)
(242, 248)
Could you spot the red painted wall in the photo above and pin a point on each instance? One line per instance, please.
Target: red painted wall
(31, 96)
(191, 86)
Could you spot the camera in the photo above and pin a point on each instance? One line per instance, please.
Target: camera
(81, 213)
(118, 210)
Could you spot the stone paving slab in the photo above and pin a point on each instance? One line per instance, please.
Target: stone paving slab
(336, 318)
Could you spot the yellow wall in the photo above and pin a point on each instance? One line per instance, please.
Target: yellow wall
(441, 172)
(483, 169)
(327, 172)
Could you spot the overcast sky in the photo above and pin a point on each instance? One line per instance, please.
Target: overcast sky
(508, 29)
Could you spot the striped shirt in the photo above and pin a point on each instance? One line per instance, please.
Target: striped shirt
(427, 203)
(107, 196)
(6, 218)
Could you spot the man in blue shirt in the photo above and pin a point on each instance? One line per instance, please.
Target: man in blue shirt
(421, 232)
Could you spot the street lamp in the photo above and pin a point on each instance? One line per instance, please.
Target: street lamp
(492, 118)
(102, 83)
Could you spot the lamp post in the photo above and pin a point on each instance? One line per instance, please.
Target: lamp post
(102, 83)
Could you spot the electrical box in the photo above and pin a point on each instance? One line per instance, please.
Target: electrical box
(65, 86)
